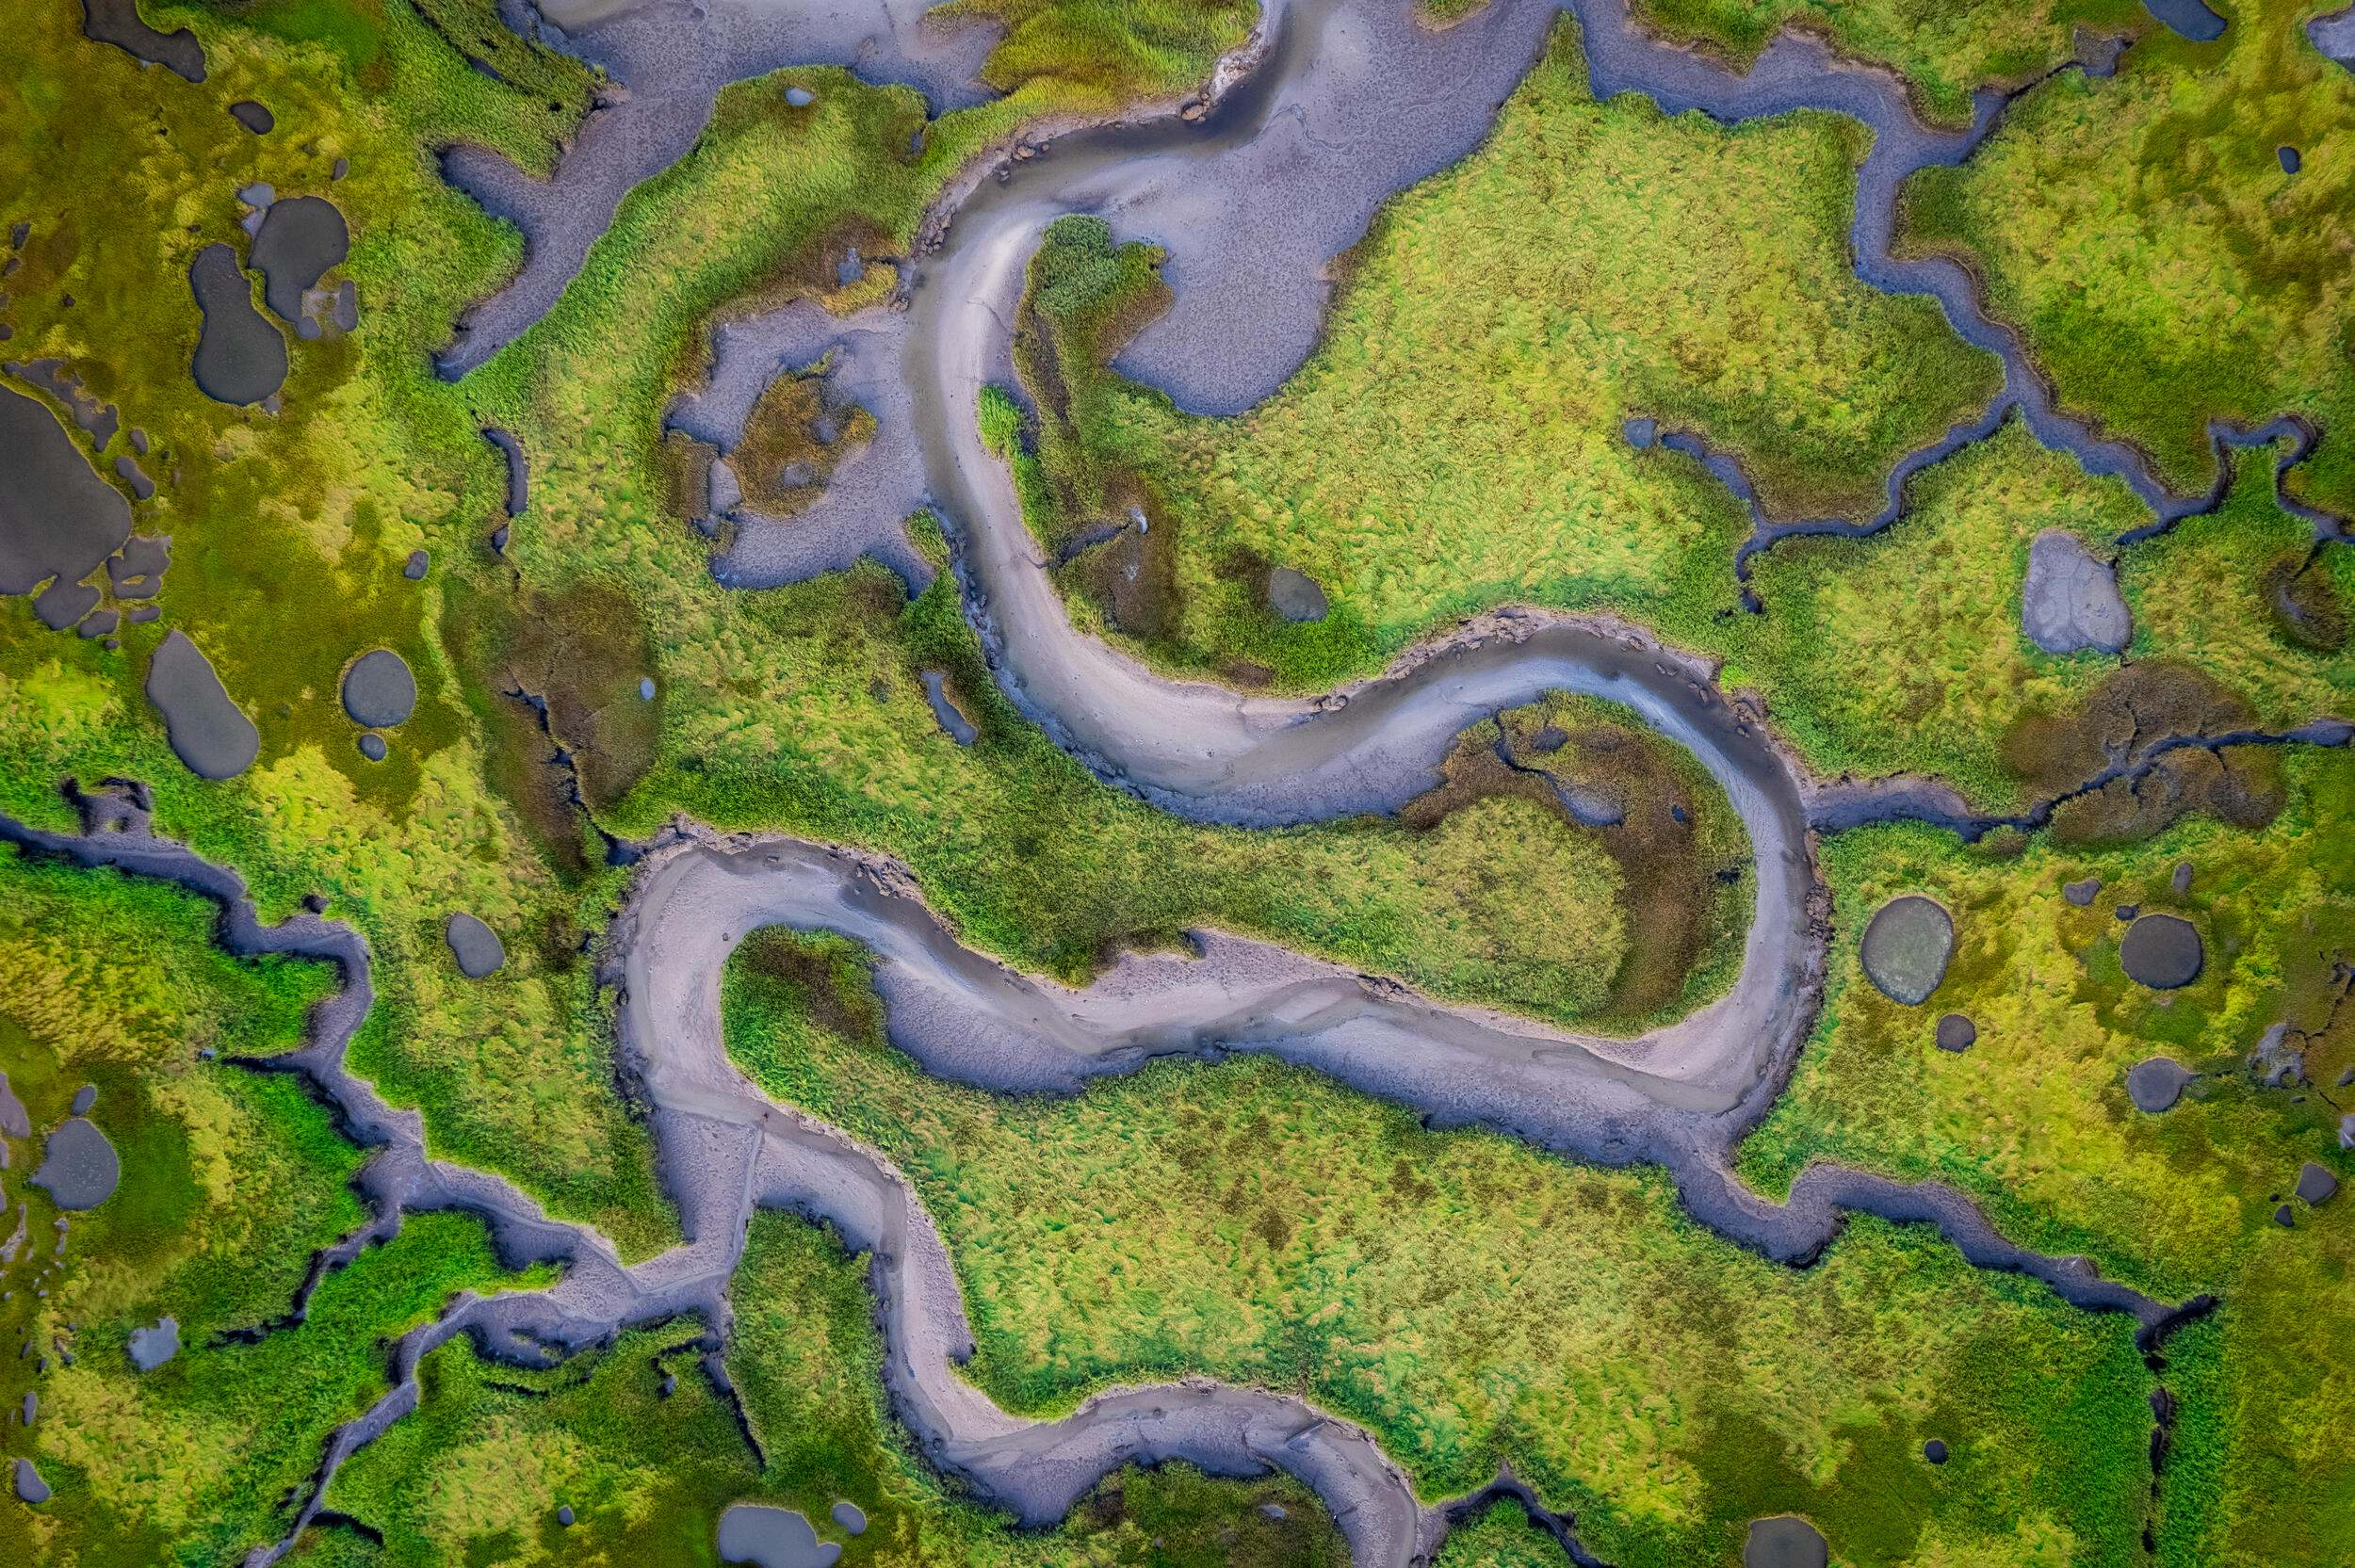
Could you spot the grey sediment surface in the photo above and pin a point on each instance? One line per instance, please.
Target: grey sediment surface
(674, 56)
(772, 1538)
(951, 718)
(150, 1348)
(79, 1168)
(2071, 601)
(1906, 946)
(118, 23)
(1284, 174)
(474, 944)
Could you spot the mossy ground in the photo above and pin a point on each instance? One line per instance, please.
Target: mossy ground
(1469, 1299)
(479, 1474)
(1945, 49)
(2035, 1123)
(231, 1178)
(798, 709)
(2163, 268)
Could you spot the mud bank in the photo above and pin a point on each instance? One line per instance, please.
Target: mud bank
(672, 57)
(722, 1147)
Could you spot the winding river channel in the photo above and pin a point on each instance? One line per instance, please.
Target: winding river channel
(1333, 107)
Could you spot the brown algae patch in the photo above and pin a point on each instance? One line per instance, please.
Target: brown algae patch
(1677, 847)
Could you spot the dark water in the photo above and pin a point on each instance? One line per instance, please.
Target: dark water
(58, 518)
(2190, 18)
(208, 731)
(772, 1538)
(299, 239)
(378, 691)
(118, 22)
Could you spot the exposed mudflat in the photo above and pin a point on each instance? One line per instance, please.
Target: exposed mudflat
(721, 1146)
(378, 691)
(150, 1348)
(207, 730)
(1252, 204)
(951, 717)
(674, 56)
(79, 1168)
(2071, 601)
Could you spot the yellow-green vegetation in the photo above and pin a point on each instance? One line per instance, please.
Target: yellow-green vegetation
(1674, 849)
(780, 464)
(1041, 862)
(2035, 1123)
(798, 709)
(801, 709)
(1946, 49)
(1473, 1301)
(477, 1474)
(1456, 438)
(230, 1180)
(1501, 1537)
(1902, 649)
(2162, 267)
(2245, 595)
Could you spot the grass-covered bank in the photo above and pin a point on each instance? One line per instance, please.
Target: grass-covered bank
(479, 1473)
(231, 1179)
(1471, 1301)
(2162, 266)
(800, 709)
(1944, 52)
(2034, 1119)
